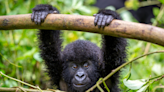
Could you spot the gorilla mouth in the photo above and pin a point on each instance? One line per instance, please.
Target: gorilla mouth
(79, 85)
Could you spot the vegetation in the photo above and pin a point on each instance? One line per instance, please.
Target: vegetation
(19, 53)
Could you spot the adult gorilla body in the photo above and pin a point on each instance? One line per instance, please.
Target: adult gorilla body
(81, 63)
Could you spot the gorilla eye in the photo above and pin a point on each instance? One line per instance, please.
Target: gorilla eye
(74, 66)
(86, 65)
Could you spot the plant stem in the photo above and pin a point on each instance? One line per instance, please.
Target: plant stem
(20, 81)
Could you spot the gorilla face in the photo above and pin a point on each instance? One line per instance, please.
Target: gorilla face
(81, 80)
(80, 75)
(81, 61)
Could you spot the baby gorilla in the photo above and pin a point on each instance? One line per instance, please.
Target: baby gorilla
(81, 63)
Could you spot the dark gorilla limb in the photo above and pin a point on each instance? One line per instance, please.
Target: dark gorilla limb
(113, 49)
(49, 43)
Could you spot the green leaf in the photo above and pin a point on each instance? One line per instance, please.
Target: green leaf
(10, 83)
(37, 57)
(90, 2)
(143, 89)
(134, 4)
(78, 5)
(156, 11)
(134, 84)
(84, 9)
(127, 16)
(162, 1)
(30, 52)
(74, 2)
(111, 8)
(157, 69)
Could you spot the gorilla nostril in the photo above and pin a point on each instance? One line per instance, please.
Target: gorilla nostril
(80, 74)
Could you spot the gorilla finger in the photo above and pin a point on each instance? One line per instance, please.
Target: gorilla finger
(32, 16)
(96, 19)
(94, 15)
(43, 16)
(99, 23)
(109, 20)
(103, 23)
(51, 12)
(36, 17)
(39, 18)
(55, 12)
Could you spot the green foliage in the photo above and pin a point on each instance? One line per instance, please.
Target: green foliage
(132, 4)
(21, 47)
(156, 11)
(134, 84)
(162, 1)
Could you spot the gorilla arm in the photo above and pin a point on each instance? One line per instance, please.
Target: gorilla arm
(49, 44)
(113, 48)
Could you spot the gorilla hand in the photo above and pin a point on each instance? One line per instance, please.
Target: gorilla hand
(41, 11)
(104, 18)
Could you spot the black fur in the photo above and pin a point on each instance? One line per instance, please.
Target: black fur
(110, 56)
(50, 47)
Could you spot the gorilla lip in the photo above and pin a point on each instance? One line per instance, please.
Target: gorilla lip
(79, 85)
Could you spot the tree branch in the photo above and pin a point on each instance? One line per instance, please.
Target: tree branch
(117, 28)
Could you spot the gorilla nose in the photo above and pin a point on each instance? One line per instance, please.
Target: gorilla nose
(80, 76)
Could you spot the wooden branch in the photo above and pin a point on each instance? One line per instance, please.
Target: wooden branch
(117, 28)
(20, 89)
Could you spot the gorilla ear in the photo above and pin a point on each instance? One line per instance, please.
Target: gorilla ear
(101, 65)
(63, 85)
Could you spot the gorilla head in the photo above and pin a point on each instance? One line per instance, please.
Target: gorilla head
(82, 62)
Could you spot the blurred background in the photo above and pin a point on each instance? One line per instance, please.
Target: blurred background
(19, 53)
